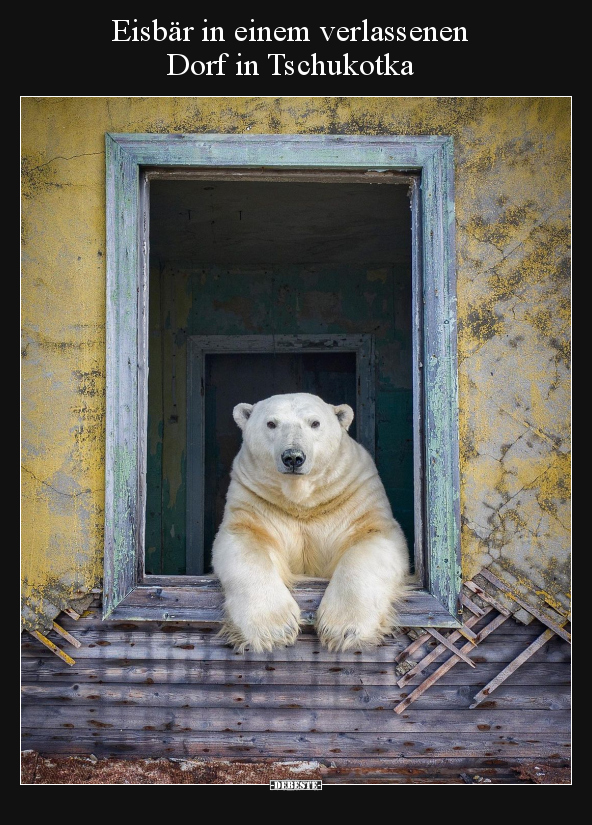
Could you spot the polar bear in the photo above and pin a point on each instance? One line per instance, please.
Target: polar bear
(305, 499)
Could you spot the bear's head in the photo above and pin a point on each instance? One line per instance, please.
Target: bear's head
(295, 434)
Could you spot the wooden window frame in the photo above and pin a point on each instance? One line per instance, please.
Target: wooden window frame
(425, 163)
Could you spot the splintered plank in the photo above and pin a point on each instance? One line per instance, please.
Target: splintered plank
(486, 597)
(464, 631)
(415, 645)
(448, 664)
(470, 605)
(65, 635)
(507, 671)
(54, 648)
(467, 633)
(437, 651)
(536, 613)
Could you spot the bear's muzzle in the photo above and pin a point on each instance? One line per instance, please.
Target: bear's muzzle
(292, 460)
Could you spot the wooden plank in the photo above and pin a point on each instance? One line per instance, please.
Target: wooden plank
(444, 641)
(286, 176)
(65, 635)
(556, 628)
(224, 672)
(418, 413)
(54, 648)
(441, 480)
(78, 689)
(433, 655)
(190, 647)
(194, 647)
(208, 581)
(93, 621)
(437, 674)
(144, 603)
(85, 717)
(281, 152)
(507, 671)
(467, 633)
(72, 613)
(415, 645)
(123, 441)
(145, 743)
(517, 612)
(483, 594)
(470, 605)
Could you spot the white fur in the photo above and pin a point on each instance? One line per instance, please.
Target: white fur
(332, 519)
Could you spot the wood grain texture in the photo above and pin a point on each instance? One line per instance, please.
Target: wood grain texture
(165, 689)
(89, 716)
(296, 745)
(204, 604)
(228, 672)
(80, 688)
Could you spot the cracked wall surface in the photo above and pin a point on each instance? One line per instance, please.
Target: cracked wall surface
(513, 185)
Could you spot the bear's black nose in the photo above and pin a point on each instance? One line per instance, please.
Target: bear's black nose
(293, 459)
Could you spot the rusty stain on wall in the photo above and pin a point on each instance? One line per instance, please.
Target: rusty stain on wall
(512, 180)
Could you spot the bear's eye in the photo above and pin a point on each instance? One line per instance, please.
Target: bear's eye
(315, 424)
(271, 425)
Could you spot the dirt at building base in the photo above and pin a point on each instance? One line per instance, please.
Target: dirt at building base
(38, 769)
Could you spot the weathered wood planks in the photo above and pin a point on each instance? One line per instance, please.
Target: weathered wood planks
(285, 673)
(64, 691)
(295, 745)
(178, 602)
(173, 689)
(190, 646)
(91, 716)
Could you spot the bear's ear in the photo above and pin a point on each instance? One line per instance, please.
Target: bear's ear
(345, 415)
(241, 414)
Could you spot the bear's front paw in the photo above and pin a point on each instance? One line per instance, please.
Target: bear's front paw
(262, 628)
(339, 629)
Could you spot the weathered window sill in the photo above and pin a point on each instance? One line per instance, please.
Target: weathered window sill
(199, 599)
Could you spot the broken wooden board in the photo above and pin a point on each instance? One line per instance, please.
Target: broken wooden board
(507, 671)
(64, 634)
(54, 648)
(480, 606)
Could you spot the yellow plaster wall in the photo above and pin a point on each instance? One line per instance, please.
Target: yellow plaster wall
(512, 177)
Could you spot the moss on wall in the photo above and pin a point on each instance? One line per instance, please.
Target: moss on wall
(512, 177)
